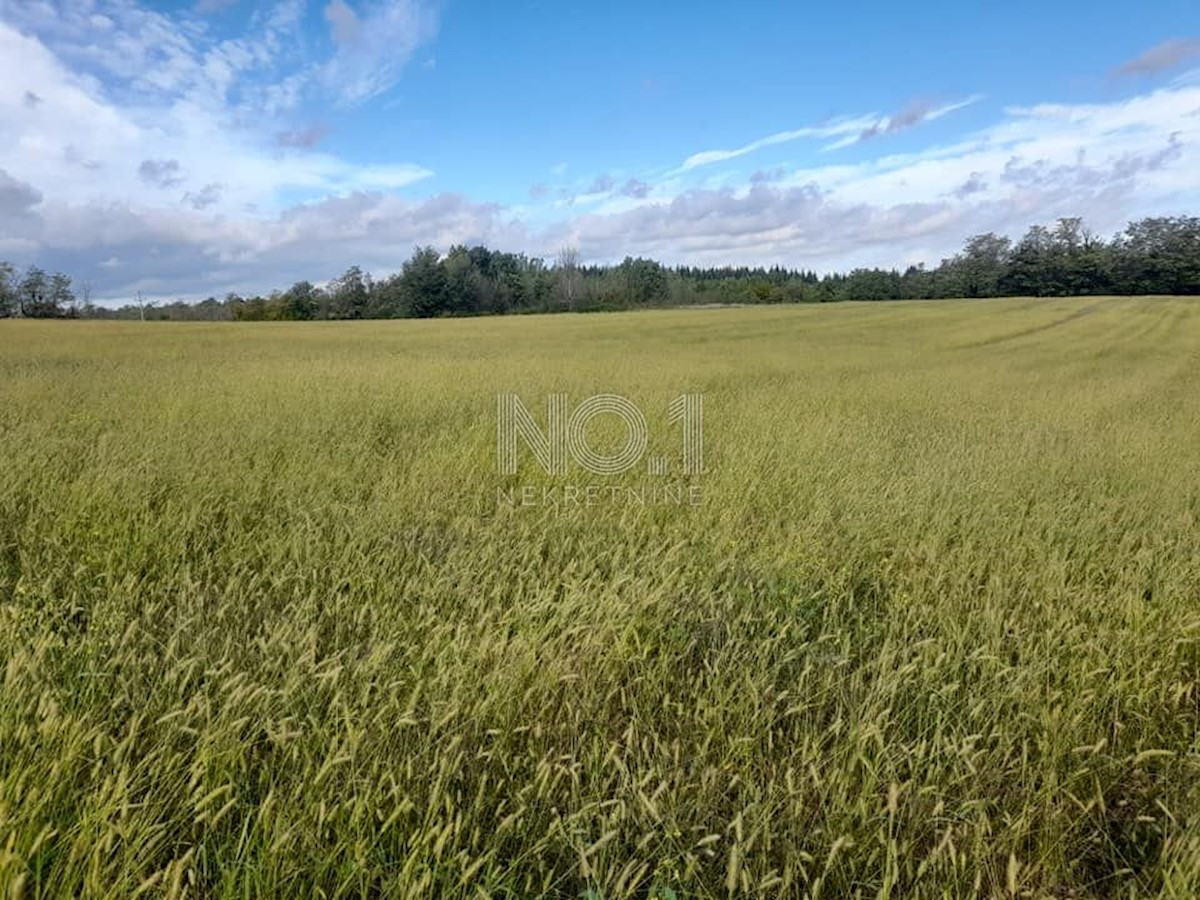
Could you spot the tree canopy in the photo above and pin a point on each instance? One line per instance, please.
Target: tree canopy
(1151, 256)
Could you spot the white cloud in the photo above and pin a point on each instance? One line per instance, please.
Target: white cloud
(169, 252)
(148, 55)
(76, 132)
(374, 45)
(833, 129)
(915, 114)
(1107, 162)
(848, 130)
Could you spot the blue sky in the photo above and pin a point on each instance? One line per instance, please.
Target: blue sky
(187, 149)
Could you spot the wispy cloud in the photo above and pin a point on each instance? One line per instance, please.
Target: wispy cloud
(374, 44)
(1109, 162)
(1161, 58)
(636, 189)
(138, 56)
(143, 54)
(94, 134)
(849, 130)
(302, 138)
(343, 23)
(833, 129)
(911, 116)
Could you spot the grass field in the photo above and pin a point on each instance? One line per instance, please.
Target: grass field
(933, 629)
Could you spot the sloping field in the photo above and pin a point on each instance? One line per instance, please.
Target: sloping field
(273, 624)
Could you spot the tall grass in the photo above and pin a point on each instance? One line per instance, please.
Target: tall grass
(933, 631)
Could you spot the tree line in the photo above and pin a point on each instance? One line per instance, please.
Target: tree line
(1151, 256)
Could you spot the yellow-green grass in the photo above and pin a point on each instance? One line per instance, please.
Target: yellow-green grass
(933, 629)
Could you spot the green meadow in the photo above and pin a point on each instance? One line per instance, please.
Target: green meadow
(273, 624)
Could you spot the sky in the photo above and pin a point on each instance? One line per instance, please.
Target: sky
(187, 149)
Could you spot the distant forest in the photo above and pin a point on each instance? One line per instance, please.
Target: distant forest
(1151, 256)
